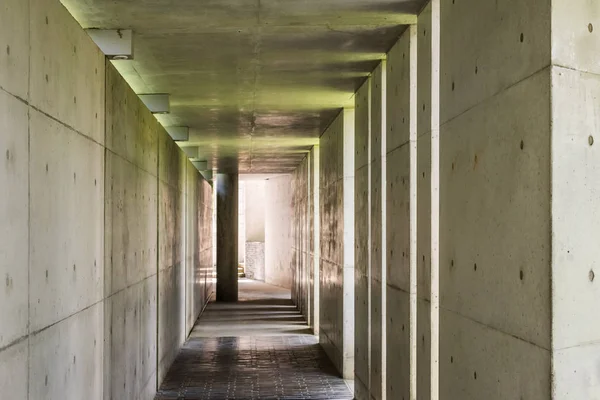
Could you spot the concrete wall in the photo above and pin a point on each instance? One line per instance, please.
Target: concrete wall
(398, 220)
(255, 210)
(336, 291)
(255, 261)
(362, 236)
(242, 223)
(305, 284)
(377, 243)
(255, 229)
(80, 238)
(131, 243)
(575, 83)
(278, 231)
(495, 276)
(496, 316)
(301, 255)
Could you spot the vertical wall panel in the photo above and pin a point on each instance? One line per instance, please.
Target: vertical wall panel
(332, 269)
(575, 83)
(398, 218)
(362, 227)
(14, 59)
(378, 275)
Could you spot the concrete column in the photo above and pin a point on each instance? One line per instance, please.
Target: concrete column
(227, 237)
(574, 80)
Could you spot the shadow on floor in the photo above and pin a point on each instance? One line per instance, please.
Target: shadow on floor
(257, 348)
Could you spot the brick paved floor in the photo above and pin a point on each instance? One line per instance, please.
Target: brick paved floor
(265, 352)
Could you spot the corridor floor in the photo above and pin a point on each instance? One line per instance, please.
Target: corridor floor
(257, 348)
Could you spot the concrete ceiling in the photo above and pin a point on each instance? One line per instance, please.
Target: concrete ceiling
(257, 81)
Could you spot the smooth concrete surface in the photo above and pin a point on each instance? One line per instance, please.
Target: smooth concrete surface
(362, 237)
(305, 280)
(106, 234)
(255, 210)
(242, 223)
(424, 210)
(255, 219)
(377, 160)
(277, 68)
(575, 85)
(398, 220)
(80, 226)
(336, 328)
(302, 236)
(227, 237)
(279, 267)
(496, 224)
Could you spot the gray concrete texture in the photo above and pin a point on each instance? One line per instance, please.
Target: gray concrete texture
(302, 256)
(255, 210)
(377, 154)
(255, 261)
(277, 69)
(362, 230)
(517, 197)
(81, 241)
(279, 243)
(575, 87)
(398, 219)
(227, 237)
(331, 190)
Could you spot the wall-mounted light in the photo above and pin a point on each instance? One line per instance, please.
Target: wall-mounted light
(200, 165)
(116, 44)
(208, 174)
(179, 133)
(191, 152)
(157, 103)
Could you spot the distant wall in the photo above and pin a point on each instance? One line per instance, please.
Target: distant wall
(255, 260)
(99, 239)
(255, 211)
(255, 229)
(278, 231)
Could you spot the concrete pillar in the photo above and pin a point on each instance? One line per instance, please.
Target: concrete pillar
(227, 237)
(575, 207)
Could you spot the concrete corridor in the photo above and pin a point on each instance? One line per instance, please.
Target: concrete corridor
(257, 348)
(422, 176)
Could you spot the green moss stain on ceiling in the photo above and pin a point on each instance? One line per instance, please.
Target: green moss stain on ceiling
(257, 81)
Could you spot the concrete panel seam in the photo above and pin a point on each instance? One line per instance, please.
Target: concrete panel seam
(559, 66)
(37, 332)
(486, 100)
(391, 286)
(132, 163)
(14, 95)
(590, 343)
(129, 286)
(14, 343)
(495, 329)
(401, 145)
(66, 125)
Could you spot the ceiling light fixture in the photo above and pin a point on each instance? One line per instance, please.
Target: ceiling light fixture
(116, 44)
